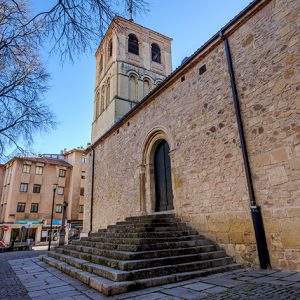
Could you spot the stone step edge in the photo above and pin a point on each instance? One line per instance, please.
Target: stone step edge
(124, 265)
(140, 241)
(109, 287)
(161, 246)
(121, 275)
(160, 234)
(131, 255)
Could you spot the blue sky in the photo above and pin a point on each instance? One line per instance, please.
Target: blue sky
(190, 23)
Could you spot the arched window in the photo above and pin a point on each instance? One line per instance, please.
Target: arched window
(107, 92)
(100, 64)
(102, 103)
(155, 53)
(146, 86)
(97, 106)
(110, 48)
(133, 88)
(133, 44)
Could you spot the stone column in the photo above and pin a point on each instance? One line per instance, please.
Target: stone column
(38, 234)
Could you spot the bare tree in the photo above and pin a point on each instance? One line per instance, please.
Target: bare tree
(23, 80)
(71, 27)
(74, 26)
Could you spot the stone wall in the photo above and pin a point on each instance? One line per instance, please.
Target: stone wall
(195, 114)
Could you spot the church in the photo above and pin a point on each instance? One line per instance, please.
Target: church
(215, 144)
(165, 141)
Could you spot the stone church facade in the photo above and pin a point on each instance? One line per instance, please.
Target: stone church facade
(192, 112)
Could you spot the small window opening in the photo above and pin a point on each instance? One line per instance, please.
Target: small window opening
(202, 69)
(133, 44)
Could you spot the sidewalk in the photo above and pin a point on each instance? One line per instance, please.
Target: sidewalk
(44, 282)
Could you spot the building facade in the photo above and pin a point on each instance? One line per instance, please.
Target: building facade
(28, 191)
(189, 122)
(131, 60)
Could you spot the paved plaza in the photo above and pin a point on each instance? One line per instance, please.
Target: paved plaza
(24, 276)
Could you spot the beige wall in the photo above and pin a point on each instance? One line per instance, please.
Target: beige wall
(196, 116)
(12, 195)
(75, 200)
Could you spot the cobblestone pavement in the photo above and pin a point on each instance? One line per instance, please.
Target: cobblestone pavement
(10, 285)
(44, 282)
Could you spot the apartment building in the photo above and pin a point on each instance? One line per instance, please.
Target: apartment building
(29, 185)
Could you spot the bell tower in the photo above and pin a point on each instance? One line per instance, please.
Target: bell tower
(130, 61)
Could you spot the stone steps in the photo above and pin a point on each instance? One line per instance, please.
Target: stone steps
(110, 287)
(143, 247)
(124, 275)
(127, 255)
(127, 265)
(133, 235)
(144, 228)
(140, 252)
(139, 241)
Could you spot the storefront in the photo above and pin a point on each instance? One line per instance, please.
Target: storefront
(45, 231)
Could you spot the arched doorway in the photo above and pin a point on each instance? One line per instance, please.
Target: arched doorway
(162, 175)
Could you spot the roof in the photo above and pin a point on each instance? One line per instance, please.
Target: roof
(45, 160)
(82, 150)
(254, 5)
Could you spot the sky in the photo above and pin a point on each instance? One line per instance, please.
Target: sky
(190, 23)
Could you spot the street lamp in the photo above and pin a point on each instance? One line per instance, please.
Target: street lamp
(51, 224)
(62, 233)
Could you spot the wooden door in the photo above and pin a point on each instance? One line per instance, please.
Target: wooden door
(162, 173)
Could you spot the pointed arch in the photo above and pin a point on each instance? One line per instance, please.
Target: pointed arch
(103, 98)
(107, 96)
(110, 48)
(97, 105)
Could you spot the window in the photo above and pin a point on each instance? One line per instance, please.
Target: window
(83, 159)
(155, 53)
(58, 208)
(21, 207)
(60, 190)
(133, 44)
(82, 174)
(101, 64)
(102, 99)
(81, 208)
(110, 48)
(81, 191)
(146, 86)
(39, 170)
(62, 173)
(23, 187)
(26, 168)
(133, 88)
(34, 207)
(97, 108)
(36, 188)
(107, 92)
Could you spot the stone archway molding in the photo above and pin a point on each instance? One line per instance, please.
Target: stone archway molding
(147, 185)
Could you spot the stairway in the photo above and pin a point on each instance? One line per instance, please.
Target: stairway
(140, 252)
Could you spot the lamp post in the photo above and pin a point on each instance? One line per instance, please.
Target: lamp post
(62, 233)
(51, 224)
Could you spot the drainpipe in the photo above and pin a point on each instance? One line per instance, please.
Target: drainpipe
(92, 191)
(260, 236)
